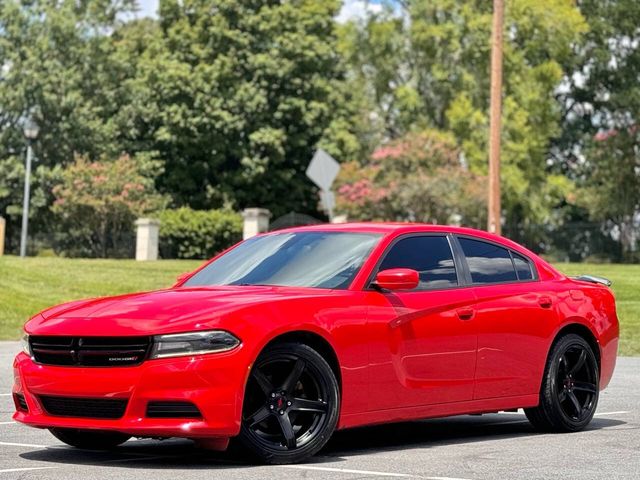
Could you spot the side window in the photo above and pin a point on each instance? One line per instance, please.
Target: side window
(488, 263)
(430, 255)
(524, 269)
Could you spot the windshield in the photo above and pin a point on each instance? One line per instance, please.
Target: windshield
(299, 259)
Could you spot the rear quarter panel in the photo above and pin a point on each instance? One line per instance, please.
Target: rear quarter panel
(592, 306)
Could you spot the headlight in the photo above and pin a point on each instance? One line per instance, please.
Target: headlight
(195, 343)
(24, 343)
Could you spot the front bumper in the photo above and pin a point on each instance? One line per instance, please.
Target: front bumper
(213, 382)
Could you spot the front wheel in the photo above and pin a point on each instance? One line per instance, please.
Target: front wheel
(569, 393)
(291, 404)
(89, 439)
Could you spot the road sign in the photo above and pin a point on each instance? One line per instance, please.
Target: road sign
(323, 169)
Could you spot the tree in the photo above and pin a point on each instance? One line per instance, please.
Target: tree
(97, 202)
(417, 178)
(601, 109)
(54, 65)
(611, 193)
(242, 92)
(442, 74)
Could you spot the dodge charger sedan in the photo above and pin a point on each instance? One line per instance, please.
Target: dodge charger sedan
(288, 336)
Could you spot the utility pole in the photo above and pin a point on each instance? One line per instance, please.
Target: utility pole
(494, 216)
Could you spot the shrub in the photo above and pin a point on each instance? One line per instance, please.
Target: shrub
(98, 201)
(197, 234)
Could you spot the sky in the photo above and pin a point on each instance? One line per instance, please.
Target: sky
(350, 10)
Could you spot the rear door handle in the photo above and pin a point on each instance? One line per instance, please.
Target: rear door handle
(545, 301)
(465, 313)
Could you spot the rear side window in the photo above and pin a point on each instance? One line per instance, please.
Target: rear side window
(430, 256)
(524, 269)
(488, 263)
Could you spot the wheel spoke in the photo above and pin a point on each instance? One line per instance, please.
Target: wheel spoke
(562, 396)
(585, 387)
(563, 361)
(259, 416)
(581, 359)
(291, 381)
(305, 405)
(576, 403)
(287, 430)
(263, 381)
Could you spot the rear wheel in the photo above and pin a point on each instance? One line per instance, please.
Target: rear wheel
(569, 392)
(291, 404)
(89, 439)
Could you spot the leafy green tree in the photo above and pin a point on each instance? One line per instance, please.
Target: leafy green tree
(441, 73)
(242, 92)
(54, 65)
(599, 143)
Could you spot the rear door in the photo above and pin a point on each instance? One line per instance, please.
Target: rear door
(423, 341)
(514, 313)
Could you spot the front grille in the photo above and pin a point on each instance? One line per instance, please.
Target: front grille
(84, 407)
(89, 351)
(21, 403)
(172, 410)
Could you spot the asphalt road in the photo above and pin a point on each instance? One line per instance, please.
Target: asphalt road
(496, 446)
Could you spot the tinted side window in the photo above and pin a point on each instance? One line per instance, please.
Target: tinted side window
(524, 268)
(430, 256)
(488, 263)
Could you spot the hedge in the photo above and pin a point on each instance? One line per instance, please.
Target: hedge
(197, 234)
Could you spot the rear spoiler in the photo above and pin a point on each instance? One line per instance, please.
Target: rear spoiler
(593, 279)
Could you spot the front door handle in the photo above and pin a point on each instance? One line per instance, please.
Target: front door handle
(465, 313)
(545, 302)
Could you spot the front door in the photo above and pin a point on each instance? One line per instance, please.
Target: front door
(423, 348)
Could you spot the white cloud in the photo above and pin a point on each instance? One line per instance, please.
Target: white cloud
(357, 9)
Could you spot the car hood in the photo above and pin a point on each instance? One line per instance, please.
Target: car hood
(163, 311)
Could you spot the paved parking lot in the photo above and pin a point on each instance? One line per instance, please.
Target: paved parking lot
(497, 446)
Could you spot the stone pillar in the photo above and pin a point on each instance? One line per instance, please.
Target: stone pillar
(147, 239)
(3, 225)
(256, 220)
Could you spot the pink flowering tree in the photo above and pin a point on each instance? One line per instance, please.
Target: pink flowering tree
(419, 177)
(98, 201)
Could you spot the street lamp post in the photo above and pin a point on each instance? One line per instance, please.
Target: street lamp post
(31, 131)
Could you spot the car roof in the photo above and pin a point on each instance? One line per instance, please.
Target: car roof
(386, 228)
(399, 228)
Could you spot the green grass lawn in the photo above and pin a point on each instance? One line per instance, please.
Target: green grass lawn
(31, 284)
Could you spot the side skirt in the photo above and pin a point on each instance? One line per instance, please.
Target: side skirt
(486, 405)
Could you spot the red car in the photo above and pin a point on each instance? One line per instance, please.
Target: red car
(291, 335)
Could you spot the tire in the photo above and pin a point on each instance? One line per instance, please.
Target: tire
(291, 405)
(89, 439)
(570, 387)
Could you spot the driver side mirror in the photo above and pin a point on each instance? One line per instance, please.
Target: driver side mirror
(397, 279)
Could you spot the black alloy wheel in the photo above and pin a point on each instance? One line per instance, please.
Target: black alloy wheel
(291, 404)
(569, 394)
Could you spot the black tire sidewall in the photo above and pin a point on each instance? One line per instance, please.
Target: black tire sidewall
(318, 366)
(549, 396)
